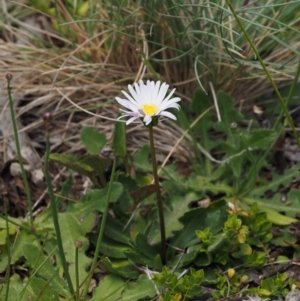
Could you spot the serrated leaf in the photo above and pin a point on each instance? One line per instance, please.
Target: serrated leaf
(199, 219)
(120, 267)
(180, 205)
(92, 140)
(114, 229)
(120, 139)
(109, 289)
(113, 248)
(42, 265)
(94, 200)
(259, 138)
(228, 115)
(141, 159)
(140, 194)
(71, 231)
(272, 211)
(143, 288)
(42, 290)
(72, 163)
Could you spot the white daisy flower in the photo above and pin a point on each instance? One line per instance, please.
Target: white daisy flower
(148, 101)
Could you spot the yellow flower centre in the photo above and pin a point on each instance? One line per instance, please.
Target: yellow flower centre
(150, 109)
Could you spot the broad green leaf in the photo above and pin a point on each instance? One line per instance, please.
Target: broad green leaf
(198, 183)
(259, 138)
(199, 219)
(15, 288)
(92, 140)
(143, 288)
(42, 290)
(16, 244)
(72, 232)
(272, 211)
(180, 205)
(113, 248)
(73, 163)
(114, 229)
(228, 115)
(109, 289)
(140, 194)
(97, 163)
(43, 267)
(94, 200)
(87, 165)
(120, 139)
(120, 267)
(141, 159)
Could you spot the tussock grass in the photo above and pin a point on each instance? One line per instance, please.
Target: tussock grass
(64, 62)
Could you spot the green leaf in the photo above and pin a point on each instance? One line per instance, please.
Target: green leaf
(109, 289)
(228, 115)
(143, 288)
(92, 140)
(199, 219)
(120, 139)
(115, 230)
(120, 267)
(42, 290)
(141, 159)
(112, 248)
(180, 205)
(43, 267)
(71, 231)
(94, 200)
(272, 211)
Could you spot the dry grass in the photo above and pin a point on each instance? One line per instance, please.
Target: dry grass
(79, 94)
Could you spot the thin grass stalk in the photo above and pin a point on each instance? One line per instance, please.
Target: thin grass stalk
(77, 246)
(159, 198)
(290, 95)
(7, 274)
(55, 217)
(101, 231)
(282, 103)
(16, 136)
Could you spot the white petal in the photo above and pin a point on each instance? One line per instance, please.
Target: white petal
(133, 100)
(131, 120)
(168, 114)
(123, 102)
(169, 104)
(147, 119)
(169, 96)
(162, 93)
(133, 93)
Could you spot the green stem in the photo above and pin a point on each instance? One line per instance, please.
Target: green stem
(282, 103)
(101, 231)
(55, 217)
(77, 272)
(159, 199)
(25, 181)
(7, 274)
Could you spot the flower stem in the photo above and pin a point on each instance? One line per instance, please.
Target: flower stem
(159, 199)
(7, 274)
(55, 217)
(101, 231)
(14, 124)
(77, 272)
